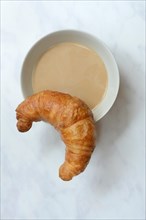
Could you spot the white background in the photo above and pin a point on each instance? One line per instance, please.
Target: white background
(112, 187)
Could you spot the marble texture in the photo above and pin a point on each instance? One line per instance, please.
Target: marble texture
(113, 185)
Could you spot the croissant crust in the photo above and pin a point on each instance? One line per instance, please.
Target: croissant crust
(71, 117)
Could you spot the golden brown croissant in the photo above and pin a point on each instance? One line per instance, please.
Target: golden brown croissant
(71, 117)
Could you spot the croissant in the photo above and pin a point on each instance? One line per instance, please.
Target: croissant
(71, 117)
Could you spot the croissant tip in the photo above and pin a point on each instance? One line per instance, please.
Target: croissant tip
(64, 173)
(23, 126)
(65, 178)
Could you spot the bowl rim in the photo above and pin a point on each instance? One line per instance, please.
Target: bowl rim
(97, 115)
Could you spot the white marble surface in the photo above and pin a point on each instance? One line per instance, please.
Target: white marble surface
(112, 187)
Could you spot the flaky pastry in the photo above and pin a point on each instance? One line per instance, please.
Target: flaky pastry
(71, 117)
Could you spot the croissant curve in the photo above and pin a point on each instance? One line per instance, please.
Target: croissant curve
(71, 117)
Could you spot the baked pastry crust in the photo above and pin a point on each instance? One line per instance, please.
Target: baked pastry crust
(71, 117)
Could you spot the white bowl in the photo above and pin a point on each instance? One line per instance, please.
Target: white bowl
(82, 38)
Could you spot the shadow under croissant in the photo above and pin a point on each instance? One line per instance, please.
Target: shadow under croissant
(109, 130)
